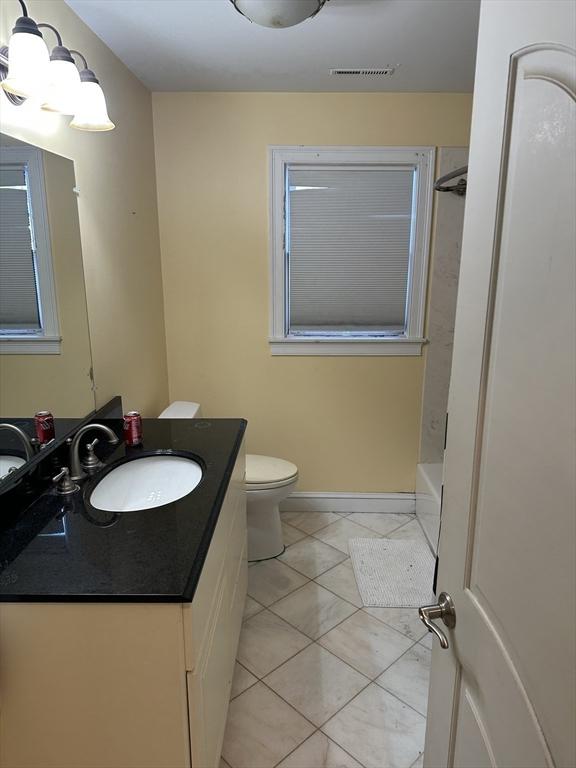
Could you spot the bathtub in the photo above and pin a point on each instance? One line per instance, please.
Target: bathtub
(428, 498)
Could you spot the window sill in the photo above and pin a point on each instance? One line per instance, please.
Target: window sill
(30, 345)
(300, 347)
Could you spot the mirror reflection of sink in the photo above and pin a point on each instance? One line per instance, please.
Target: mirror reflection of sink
(145, 483)
(8, 462)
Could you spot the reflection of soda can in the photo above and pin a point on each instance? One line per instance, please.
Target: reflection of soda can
(44, 423)
(132, 428)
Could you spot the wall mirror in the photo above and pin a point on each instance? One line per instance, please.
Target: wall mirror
(45, 355)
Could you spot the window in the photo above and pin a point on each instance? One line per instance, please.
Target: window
(28, 316)
(349, 249)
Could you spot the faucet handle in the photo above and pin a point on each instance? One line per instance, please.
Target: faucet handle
(63, 482)
(92, 463)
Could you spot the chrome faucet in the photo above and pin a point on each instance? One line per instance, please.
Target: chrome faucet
(24, 439)
(78, 472)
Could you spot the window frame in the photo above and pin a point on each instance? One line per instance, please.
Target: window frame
(409, 343)
(46, 341)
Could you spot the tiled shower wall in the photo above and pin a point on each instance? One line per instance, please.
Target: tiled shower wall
(442, 308)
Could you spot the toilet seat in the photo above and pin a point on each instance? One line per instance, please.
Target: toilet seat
(267, 472)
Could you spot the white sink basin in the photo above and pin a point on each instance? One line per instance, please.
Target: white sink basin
(145, 483)
(7, 462)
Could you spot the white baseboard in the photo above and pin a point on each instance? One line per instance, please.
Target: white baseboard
(326, 501)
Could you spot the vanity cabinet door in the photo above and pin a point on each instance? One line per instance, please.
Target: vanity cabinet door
(210, 682)
(239, 569)
(209, 689)
(212, 629)
(225, 550)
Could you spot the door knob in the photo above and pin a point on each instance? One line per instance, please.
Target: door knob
(443, 609)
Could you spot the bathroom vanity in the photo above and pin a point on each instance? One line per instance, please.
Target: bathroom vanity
(118, 631)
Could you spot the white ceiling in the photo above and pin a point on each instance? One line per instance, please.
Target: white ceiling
(205, 45)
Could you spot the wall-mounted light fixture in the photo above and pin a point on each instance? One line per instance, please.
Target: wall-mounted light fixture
(63, 81)
(28, 58)
(27, 70)
(91, 113)
(278, 14)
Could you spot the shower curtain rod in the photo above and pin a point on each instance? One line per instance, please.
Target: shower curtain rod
(457, 189)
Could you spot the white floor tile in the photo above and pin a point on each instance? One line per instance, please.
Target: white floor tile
(270, 580)
(428, 640)
(378, 730)
(311, 557)
(241, 681)
(316, 683)
(405, 620)
(381, 522)
(309, 522)
(251, 607)
(412, 530)
(419, 763)
(409, 677)
(266, 641)
(339, 533)
(313, 609)
(327, 683)
(319, 752)
(366, 644)
(341, 581)
(262, 729)
(291, 535)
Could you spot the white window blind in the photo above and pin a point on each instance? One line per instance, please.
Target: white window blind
(348, 246)
(19, 309)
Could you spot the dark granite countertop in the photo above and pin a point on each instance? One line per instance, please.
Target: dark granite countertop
(60, 549)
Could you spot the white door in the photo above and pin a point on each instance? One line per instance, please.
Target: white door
(502, 694)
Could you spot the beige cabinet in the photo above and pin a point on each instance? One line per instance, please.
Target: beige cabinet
(127, 685)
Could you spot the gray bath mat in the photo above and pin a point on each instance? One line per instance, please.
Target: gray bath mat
(393, 574)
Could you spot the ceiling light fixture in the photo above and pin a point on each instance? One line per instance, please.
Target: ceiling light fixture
(278, 14)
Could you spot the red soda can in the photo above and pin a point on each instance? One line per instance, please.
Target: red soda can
(44, 424)
(132, 428)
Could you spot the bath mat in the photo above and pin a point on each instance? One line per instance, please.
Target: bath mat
(393, 574)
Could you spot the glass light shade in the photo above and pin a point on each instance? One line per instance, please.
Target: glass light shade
(62, 91)
(278, 13)
(28, 61)
(91, 114)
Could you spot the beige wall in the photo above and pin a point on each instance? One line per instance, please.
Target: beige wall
(118, 214)
(59, 383)
(350, 423)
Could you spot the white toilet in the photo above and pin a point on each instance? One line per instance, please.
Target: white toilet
(181, 409)
(268, 482)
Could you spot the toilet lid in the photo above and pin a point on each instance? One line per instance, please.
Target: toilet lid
(265, 470)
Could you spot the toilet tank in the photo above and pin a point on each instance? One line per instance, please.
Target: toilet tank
(181, 409)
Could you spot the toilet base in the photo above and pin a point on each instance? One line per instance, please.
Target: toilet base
(264, 559)
(265, 540)
(264, 530)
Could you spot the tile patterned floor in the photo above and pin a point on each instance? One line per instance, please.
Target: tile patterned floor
(322, 682)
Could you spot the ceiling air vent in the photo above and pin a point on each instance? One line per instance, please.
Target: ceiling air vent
(379, 71)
